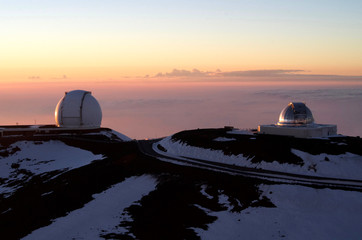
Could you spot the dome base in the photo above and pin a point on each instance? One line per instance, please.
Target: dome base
(301, 131)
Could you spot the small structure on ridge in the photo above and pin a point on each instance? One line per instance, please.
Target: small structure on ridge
(297, 120)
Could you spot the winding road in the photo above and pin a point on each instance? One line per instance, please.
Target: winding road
(147, 148)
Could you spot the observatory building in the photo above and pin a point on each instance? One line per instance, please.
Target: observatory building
(78, 109)
(77, 113)
(297, 120)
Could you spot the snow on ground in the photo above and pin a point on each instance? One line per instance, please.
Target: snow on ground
(240, 132)
(347, 165)
(117, 134)
(121, 136)
(340, 166)
(224, 139)
(300, 213)
(34, 158)
(111, 134)
(101, 215)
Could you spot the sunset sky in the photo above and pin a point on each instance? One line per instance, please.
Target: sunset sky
(112, 39)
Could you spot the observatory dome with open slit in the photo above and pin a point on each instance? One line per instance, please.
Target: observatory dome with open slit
(78, 109)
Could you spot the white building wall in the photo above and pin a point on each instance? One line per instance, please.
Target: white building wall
(315, 130)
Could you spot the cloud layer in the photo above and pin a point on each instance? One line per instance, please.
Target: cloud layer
(185, 73)
(218, 73)
(297, 74)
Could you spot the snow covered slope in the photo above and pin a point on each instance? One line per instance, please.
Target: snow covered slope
(206, 210)
(300, 213)
(23, 160)
(44, 177)
(249, 151)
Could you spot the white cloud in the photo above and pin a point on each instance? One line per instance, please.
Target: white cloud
(185, 73)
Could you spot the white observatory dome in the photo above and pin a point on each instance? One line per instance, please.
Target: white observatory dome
(296, 113)
(78, 109)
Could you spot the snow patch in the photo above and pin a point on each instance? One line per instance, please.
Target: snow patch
(111, 134)
(121, 136)
(203, 192)
(300, 213)
(35, 158)
(346, 165)
(240, 132)
(224, 139)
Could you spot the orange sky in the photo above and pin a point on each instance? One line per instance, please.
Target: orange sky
(113, 39)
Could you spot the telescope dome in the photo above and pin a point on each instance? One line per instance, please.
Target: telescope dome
(78, 109)
(296, 113)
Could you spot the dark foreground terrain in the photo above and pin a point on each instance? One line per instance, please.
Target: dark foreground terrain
(183, 202)
(168, 212)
